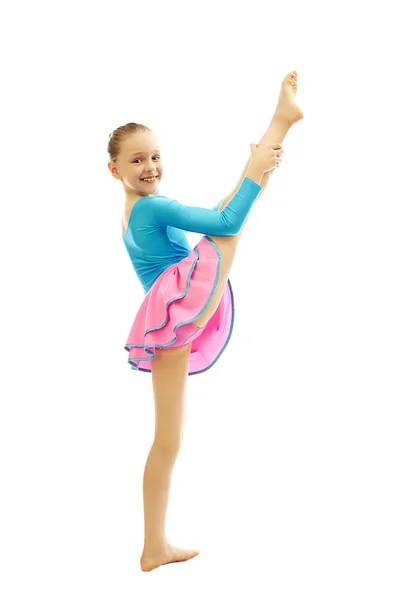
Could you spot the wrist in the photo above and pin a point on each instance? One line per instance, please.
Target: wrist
(255, 173)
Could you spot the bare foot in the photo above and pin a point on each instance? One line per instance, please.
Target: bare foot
(171, 555)
(287, 107)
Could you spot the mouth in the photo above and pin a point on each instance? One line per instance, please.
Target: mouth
(150, 179)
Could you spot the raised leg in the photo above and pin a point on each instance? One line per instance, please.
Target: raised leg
(169, 376)
(286, 114)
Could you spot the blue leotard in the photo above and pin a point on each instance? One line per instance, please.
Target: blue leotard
(155, 238)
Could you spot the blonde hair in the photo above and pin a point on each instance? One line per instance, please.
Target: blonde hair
(119, 135)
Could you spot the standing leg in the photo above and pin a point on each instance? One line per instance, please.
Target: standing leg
(169, 376)
(286, 114)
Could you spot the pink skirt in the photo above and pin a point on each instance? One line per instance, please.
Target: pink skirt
(177, 298)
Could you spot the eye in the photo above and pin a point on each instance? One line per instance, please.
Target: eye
(136, 160)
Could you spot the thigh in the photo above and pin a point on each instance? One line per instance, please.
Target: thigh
(170, 369)
(227, 246)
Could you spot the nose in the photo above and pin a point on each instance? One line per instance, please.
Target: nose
(149, 166)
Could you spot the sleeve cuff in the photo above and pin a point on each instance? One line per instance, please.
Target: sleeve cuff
(250, 185)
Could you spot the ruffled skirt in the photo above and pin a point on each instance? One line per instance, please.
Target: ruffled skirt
(177, 298)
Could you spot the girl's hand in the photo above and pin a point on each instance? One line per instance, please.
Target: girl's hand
(266, 158)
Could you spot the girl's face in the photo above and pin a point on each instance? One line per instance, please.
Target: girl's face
(140, 158)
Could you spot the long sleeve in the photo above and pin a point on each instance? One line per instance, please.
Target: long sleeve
(229, 221)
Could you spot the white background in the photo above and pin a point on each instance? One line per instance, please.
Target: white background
(288, 478)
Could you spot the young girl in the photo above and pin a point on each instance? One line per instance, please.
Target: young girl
(186, 318)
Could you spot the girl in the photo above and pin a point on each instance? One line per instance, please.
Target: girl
(186, 318)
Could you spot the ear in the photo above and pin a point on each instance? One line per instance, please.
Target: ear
(113, 169)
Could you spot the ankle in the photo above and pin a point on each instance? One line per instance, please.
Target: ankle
(155, 547)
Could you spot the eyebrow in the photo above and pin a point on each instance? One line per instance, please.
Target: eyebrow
(137, 153)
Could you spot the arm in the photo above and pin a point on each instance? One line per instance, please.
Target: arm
(271, 135)
(227, 199)
(229, 221)
(251, 171)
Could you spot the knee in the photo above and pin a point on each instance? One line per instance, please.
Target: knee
(168, 445)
